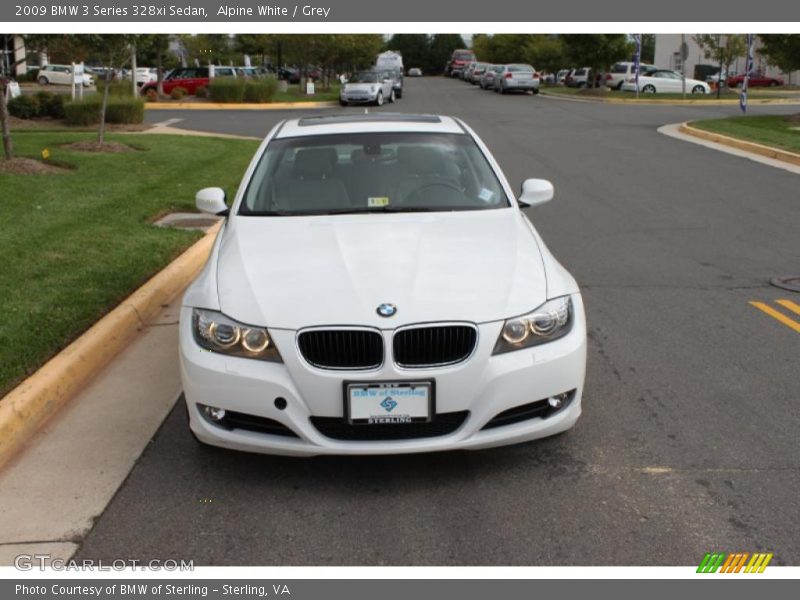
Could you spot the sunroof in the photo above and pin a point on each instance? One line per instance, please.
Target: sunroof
(367, 118)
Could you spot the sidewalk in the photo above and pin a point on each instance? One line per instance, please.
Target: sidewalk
(53, 490)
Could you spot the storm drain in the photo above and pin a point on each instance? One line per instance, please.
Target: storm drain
(788, 282)
(194, 221)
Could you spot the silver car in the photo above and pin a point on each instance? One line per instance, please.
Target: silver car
(489, 75)
(517, 77)
(367, 87)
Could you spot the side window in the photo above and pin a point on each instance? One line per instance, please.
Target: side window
(201, 72)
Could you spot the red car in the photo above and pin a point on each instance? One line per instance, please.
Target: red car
(756, 80)
(459, 60)
(189, 78)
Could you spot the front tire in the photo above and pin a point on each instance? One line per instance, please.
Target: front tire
(698, 89)
(773, 84)
(342, 103)
(43, 80)
(392, 97)
(649, 89)
(379, 99)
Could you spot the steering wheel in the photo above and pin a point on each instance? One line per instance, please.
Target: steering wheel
(444, 184)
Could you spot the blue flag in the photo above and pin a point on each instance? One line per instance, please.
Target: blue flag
(637, 58)
(748, 72)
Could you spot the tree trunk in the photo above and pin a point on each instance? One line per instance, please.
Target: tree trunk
(101, 133)
(8, 147)
(159, 71)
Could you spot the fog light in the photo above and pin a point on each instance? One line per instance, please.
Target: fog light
(555, 402)
(214, 414)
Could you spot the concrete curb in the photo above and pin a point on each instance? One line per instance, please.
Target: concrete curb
(28, 406)
(237, 106)
(664, 101)
(753, 147)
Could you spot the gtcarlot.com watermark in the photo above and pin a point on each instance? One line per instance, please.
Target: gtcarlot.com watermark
(29, 562)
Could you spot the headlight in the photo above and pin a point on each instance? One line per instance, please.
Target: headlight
(373, 89)
(218, 333)
(549, 322)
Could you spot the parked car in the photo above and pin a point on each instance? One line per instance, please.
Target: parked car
(489, 76)
(664, 82)
(477, 71)
(188, 78)
(561, 76)
(577, 77)
(60, 75)
(517, 78)
(755, 80)
(622, 71)
(145, 75)
(289, 74)
(415, 72)
(458, 60)
(396, 75)
(414, 307)
(367, 87)
(464, 73)
(248, 72)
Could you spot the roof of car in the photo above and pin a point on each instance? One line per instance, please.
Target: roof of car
(368, 122)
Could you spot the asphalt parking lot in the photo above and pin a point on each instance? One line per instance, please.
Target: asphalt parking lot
(689, 437)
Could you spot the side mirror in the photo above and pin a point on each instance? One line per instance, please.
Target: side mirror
(535, 192)
(212, 200)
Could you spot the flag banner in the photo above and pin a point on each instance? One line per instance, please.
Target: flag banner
(637, 58)
(748, 72)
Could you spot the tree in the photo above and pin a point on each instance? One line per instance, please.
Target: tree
(648, 48)
(722, 49)
(414, 47)
(441, 49)
(546, 52)
(597, 51)
(783, 51)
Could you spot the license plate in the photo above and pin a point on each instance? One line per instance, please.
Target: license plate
(388, 402)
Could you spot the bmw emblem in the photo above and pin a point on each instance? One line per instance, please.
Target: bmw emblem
(386, 310)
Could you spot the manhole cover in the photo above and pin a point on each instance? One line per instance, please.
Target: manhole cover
(789, 282)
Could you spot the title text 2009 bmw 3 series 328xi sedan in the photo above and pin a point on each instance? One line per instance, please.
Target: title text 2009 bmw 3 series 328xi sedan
(377, 289)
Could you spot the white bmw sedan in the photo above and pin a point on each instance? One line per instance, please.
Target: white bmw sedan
(377, 289)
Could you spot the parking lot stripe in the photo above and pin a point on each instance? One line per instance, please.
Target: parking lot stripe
(795, 308)
(789, 322)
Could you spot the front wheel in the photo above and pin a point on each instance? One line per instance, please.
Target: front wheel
(379, 99)
(392, 97)
(43, 81)
(399, 94)
(773, 84)
(649, 89)
(698, 89)
(342, 103)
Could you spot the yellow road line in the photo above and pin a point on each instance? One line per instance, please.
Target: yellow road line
(789, 322)
(795, 308)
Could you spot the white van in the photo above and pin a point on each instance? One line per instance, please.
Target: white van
(622, 71)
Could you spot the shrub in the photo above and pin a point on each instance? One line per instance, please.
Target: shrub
(51, 105)
(24, 107)
(151, 95)
(227, 89)
(119, 110)
(116, 89)
(178, 92)
(260, 90)
(201, 91)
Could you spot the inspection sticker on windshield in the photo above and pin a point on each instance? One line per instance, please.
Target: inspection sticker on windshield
(378, 201)
(388, 402)
(486, 195)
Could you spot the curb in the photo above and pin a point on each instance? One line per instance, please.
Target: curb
(237, 106)
(664, 101)
(753, 147)
(29, 405)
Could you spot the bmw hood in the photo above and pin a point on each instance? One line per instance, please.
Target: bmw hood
(294, 272)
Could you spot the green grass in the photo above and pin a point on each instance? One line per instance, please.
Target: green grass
(773, 130)
(75, 244)
(293, 94)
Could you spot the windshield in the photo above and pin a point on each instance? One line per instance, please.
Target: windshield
(372, 172)
(464, 56)
(364, 77)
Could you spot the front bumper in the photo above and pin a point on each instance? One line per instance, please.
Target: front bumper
(483, 386)
(358, 98)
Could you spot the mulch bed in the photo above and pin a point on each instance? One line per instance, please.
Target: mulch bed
(87, 146)
(29, 166)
